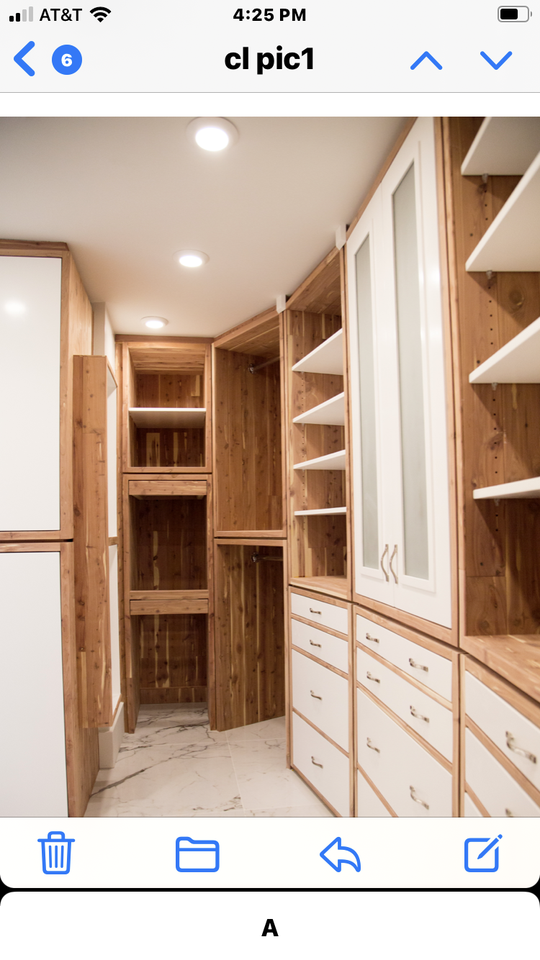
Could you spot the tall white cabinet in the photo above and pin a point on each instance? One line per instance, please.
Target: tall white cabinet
(399, 435)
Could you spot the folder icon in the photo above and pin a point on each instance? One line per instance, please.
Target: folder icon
(196, 856)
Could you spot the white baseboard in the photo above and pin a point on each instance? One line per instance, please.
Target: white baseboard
(110, 739)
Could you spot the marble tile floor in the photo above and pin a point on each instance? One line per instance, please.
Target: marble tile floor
(175, 766)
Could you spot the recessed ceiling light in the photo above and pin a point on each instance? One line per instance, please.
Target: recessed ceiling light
(191, 258)
(15, 308)
(212, 133)
(155, 323)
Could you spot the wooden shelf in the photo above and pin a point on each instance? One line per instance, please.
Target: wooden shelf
(332, 461)
(325, 512)
(503, 146)
(517, 362)
(515, 657)
(168, 417)
(326, 358)
(144, 602)
(516, 490)
(331, 412)
(512, 242)
(334, 586)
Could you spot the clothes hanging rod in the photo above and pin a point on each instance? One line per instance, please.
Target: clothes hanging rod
(256, 558)
(253, 369)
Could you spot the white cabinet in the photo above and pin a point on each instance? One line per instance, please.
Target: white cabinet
(399, 435)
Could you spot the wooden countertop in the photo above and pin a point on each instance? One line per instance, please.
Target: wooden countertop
(515, 657)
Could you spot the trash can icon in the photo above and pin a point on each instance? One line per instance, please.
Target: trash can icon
(56, 852)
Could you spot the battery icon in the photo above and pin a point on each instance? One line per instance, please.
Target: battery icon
(514, 14)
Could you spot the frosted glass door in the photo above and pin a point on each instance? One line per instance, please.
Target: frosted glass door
(30, 300)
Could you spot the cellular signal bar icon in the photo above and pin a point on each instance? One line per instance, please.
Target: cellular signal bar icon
(23, 17)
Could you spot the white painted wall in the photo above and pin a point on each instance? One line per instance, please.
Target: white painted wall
(103, 335)
(32, 753)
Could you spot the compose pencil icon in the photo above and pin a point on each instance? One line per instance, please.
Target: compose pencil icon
(489, 847)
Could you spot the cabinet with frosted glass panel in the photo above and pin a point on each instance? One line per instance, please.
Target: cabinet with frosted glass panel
(401, 526)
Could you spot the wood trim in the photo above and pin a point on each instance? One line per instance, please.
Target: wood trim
(235, 536)
(403, 619)
(245, 327)
(510, 694)
(305, 592)
(476, 802)
(461, 773)
(315, 791)
(91, 556)
(167, 488)
(248, 542)
(322, 663)
(456, 753)
(120, 527)
(407, 677)
(409, 123)
(514, 658)
(37, 547)
(447, 764)
(376, 790)
(429, 643)
(143, 608)
(167, 470)
(32, 248)
(324, 628)
(128, 338)
(498, 754)
(310, 280)
(352, 726)
(112, 372)
(322, 733)
(330, 586)
(112, 541)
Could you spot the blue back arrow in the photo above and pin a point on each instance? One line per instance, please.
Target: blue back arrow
(423, 57)
(350, 856)
(18, 58)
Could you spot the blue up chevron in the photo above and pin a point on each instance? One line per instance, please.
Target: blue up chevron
(429, 57)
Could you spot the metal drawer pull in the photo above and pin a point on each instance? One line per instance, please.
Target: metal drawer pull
(417, 799)
(371, 747)
(418, 716)
(315, 695)
(417, 666)
(375, 679)
(311, 610)
(394, 574)
(510, 741)
(373, 639)
(385, 551)
(508, 812)
(315, 644)
(315, 764)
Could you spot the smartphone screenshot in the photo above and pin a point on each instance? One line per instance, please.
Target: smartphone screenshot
(270, 477)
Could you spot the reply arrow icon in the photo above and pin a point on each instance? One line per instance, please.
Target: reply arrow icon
(335, 855)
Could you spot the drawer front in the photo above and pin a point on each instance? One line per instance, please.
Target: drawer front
(412, 782)
(429, 668)
(470, 809)
(322, 645)
(494, 787)
(324, 766)
(321, 613)
(427, 717)
(514, 734)
(322, 696)
(369, 804)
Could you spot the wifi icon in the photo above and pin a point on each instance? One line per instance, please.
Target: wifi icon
(100, 13)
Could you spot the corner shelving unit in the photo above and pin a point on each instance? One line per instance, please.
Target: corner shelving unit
(318, 456)
(503, 146)
(517, 362)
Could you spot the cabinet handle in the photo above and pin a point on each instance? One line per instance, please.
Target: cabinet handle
(417, 799)
(315, 644)
(510, 741)
(373, 639)
(311, 610)
(374, 679)
(418, 716)
(315, 764)
(371, 747)
(394, 552)
(385, 551)
(417, 666)
(315, 695)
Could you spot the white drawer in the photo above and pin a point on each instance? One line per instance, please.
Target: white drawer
(426, 717)
(323, 645)
(427, 667)
(413, 783)
(369, 804)
(324, 766)
(322, 697)
(513, 733)
(494, 787)
(321, 613)
(470, 809)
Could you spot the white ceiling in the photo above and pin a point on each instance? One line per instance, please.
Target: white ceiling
(126, 193)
